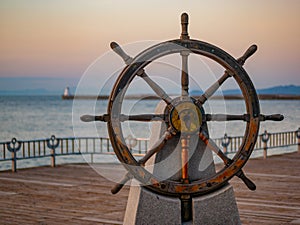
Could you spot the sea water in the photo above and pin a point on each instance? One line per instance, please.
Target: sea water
(39, 117)
(35, 117)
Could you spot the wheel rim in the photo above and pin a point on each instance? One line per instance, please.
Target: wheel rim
(141, 61)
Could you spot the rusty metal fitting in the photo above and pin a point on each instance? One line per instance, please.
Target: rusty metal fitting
(226, 141)
(265, 137)
(53, 142)
(297, 132)
(13, 145)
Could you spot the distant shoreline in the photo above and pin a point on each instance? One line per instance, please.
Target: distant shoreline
(153, 97)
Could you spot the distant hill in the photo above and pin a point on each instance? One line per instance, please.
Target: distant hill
(277, 90)
(281, 90)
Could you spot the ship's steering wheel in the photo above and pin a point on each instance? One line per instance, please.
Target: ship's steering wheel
(183, 115)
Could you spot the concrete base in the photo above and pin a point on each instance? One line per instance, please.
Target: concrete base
(216, 208)
(147, 208)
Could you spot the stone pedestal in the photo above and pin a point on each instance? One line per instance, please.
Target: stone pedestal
(145, 207)
(216, 208)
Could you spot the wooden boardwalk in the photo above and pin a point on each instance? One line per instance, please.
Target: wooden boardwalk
(77, 194)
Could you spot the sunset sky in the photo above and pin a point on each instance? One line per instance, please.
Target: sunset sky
(59, 39)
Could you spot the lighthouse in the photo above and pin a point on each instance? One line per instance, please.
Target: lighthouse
(67, 92)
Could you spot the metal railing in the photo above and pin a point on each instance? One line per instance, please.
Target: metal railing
(53, 147)
(265, 141)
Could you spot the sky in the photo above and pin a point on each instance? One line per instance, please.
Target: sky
(58, 40)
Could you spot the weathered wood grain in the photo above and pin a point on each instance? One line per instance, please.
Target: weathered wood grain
(77, 194)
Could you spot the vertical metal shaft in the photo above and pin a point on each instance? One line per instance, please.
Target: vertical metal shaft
(184, 158)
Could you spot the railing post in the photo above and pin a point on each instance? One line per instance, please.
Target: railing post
(13, 147)
(131, 142)
(265, 138)
(298, 137)
(225, 142)
(52, 143)
(92, 158)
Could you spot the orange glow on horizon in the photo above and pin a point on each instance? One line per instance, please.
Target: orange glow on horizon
(65, 37)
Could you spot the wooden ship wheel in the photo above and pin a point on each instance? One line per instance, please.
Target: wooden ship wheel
(183, 115)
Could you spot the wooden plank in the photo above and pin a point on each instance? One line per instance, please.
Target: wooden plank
(7, 193)
(77, 194)
(99, 220)
(273, 175)
(36, 182)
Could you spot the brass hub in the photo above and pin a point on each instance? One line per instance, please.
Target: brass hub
(186, 117)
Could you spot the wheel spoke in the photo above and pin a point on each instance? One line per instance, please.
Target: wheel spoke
(212, 145)
(226, 117)
(273, 117)
(214, 87)
(227, 161)
(156, 147)
(244, 117)
(143, 117)
(90, 118)
(184, 56)
(155, 87)
(184, 74)
(128, 176)
(122, 118)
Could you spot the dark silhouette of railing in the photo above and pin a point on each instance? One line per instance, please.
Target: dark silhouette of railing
(53, 147)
